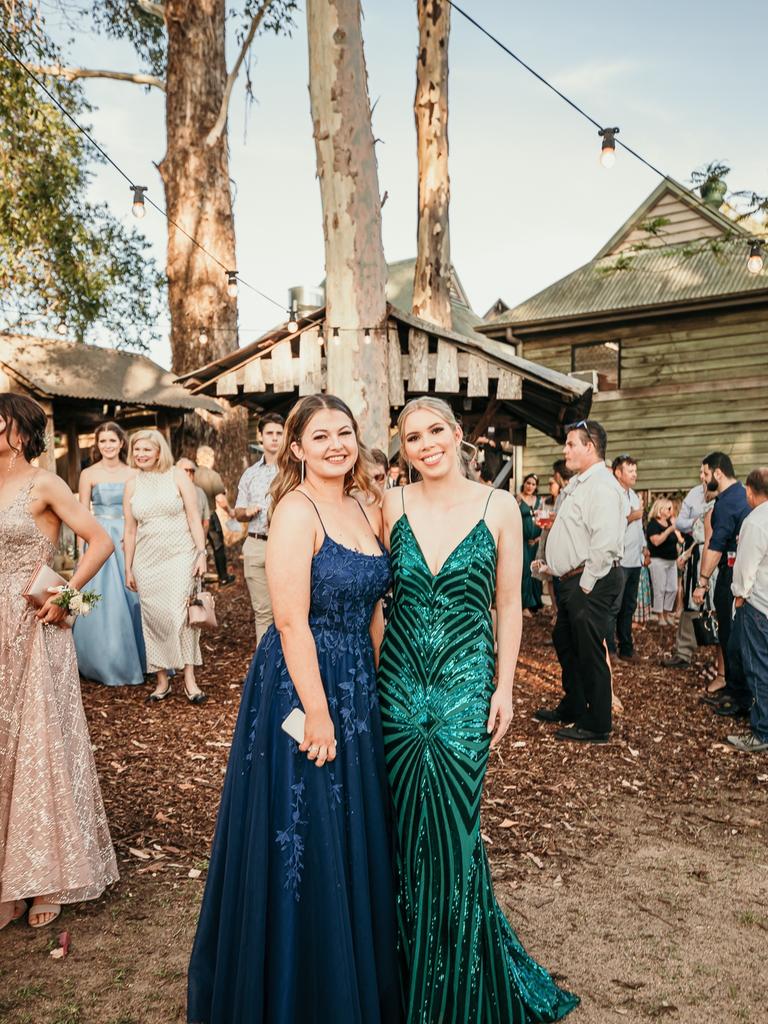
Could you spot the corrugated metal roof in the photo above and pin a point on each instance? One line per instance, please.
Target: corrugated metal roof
(656, 277)
(399, 292)
(71, 370)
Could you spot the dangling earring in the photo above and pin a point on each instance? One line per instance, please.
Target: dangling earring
(12, 461)
(410, 474)
(302, 470)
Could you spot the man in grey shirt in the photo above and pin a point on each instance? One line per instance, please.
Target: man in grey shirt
(691, 509)
(252, 507)
(584, 552)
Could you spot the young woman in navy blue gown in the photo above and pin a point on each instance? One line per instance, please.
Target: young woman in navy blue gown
(298, 921)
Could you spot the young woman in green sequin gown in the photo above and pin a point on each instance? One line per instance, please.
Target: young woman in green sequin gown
(454, 546)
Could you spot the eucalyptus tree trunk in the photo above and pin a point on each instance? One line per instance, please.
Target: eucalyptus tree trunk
(197, 185)
(198, 198)
(356, 274)
(432, 278)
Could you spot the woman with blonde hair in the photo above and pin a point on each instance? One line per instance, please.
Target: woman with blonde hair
(298, 917)
(445, 701)
(164, 552)
(663, 540)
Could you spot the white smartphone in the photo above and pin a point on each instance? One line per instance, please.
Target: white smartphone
(294, 725)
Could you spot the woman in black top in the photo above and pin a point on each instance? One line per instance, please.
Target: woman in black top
(663, 539)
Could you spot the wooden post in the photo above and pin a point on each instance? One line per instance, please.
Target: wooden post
(48, 459)
(356, 273)
(73, 455)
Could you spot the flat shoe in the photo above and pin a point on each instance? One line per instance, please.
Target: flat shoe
(43, 908)
(713, 700)
(154, 698)
(15, 916)
(581, 735)
(730, 709)
(550, 715)
(196, 698)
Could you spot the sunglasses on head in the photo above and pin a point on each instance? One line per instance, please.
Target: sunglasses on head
(379, 476)
(581, 425)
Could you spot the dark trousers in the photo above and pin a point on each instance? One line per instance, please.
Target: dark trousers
(752, 630)
(579, 639)
(620, 626)
(728, 631)
(216, 538)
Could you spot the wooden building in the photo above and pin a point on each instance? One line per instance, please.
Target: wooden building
(672, 332)
(80, 386)
(482, 379)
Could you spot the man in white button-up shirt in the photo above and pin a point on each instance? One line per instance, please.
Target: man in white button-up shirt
(584, 551)
(620, 629)
(750, 589)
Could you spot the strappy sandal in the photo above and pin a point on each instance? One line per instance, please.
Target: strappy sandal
(43, 908)
(711, 689)
(16, 915)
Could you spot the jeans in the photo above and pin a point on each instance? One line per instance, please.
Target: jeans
(620, 626)
(730, 641)
(753, 643)
(579, 639)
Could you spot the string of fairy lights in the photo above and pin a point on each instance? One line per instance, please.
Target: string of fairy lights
(233, 279)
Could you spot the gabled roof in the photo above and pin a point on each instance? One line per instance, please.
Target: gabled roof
(68, 369)
(399, 292)
(654, 279)
(704, 219)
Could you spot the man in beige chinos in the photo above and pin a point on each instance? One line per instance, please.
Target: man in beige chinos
(251, 507)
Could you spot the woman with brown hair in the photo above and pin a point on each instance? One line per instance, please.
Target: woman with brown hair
(54, 840)
(530, 502)
(298, 917)
(110, 645)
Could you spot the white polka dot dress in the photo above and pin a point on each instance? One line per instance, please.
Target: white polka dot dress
(163, 564)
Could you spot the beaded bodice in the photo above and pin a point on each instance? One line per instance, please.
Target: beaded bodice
(22, 545)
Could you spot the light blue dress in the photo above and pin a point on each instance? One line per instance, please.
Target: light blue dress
(109, 641)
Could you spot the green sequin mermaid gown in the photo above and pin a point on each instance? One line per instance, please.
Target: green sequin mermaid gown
(461, 961)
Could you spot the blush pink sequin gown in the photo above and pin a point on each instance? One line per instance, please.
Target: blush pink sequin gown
(54, 838)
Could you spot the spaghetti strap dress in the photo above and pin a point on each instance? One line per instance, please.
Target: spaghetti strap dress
(54, 837)
(461, 961)
(297, 924)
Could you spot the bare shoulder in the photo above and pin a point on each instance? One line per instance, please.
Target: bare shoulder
(294, 510)
(392, 505)
(374, 515)
(503, 508)
(50, 486)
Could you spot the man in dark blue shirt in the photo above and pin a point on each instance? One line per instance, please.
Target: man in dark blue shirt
(731, 509)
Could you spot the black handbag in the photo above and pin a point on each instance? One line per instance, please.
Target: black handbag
(705, 625)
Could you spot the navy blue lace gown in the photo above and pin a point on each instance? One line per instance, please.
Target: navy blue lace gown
(298, 920)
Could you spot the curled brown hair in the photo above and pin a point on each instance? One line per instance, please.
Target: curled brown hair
(29, 420)
(288, 475)
(112, 428)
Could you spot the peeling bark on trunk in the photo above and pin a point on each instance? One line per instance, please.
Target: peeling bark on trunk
(198, 198)
(356, 273)
(197, 185)
(432, 278)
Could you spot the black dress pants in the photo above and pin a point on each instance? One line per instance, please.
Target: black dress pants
(216, 537)
(579, 634)
(620, 627)
(730, 642)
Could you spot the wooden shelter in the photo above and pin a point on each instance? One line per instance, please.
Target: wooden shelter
(670, 329)
(483, 380)
(80, 386)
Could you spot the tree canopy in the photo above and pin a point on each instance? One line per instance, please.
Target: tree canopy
(63, 259)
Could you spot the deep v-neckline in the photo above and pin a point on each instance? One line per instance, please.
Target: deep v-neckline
(452, 552)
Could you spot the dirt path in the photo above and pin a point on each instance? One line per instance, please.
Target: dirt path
(637, 872)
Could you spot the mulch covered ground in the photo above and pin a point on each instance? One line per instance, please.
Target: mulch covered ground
(162, 765)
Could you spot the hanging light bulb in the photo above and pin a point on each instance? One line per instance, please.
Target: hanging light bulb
(755, 261)
(608, 149)
(138, 208)
(367, 336)
(61, 328)
(293, 324)
(336, 338)
(232, 284)
(203, 336)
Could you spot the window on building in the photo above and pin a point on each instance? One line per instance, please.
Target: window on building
(604, 357)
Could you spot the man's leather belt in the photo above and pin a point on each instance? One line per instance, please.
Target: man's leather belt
(258, 536)
(580, 569)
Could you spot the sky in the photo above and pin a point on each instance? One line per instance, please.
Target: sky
(683, 79)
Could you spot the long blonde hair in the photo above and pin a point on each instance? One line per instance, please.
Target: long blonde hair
(156, 439)
(445, 412)
(288, 475)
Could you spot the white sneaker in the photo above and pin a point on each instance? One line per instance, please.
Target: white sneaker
(749, 743)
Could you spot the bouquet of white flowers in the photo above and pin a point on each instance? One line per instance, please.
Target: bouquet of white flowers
(75, 601)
